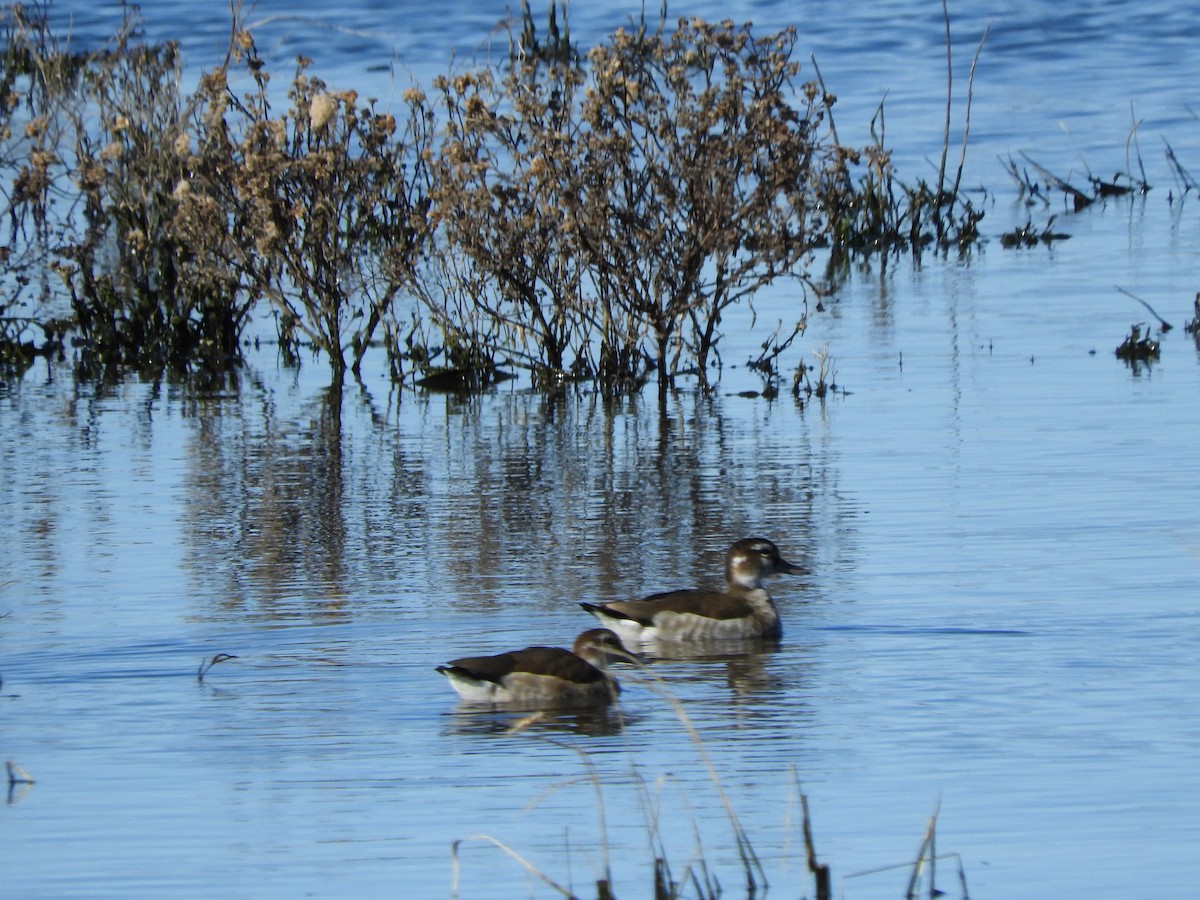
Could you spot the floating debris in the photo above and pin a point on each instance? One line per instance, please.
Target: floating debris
(1138, 347)
(1029, 236)
(1101, 189)
(17, 775)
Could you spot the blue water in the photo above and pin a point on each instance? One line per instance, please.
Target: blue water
(1001, 624)
(1064, 82)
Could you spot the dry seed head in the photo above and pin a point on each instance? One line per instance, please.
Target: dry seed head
(90, 175)
(42, 159)
(113, 150)
(215, 120)
(385, 124)
(214, 82)
(182, 145)
(245, 40)
(268, 236)
(323, 108)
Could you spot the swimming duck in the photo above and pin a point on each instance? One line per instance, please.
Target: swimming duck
(743, 610)
(542, 676)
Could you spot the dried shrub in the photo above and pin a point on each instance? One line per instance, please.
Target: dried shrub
(325, 203)
(614, 207)
(509, 157)
(138, 295)
(98, 184)
(698, 185)
(587, 217)
(37, 76)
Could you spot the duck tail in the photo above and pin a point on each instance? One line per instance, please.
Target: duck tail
(604, 613)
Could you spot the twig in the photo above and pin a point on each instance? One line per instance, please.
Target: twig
(927, 849)
(957, 857)
(949, 101)
(1132, 139)
(594, 777)
(820, 871)
(832, 126)
(1163, 323)
(513, 854)
(1189, 183)
(17, 775)
(1081, 199)
(750, 860)
(205, 666)
(962, 159)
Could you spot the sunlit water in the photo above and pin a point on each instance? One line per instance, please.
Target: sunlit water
(1002, 623)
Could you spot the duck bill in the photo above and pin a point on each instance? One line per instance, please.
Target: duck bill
(625, 655)
(788, 568)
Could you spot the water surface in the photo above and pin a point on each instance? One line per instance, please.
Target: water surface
(999, 515)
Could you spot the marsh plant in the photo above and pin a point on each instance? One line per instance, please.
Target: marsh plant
(614, 206)
(35, 74)
(587, 216)
(327, 202)
(93, 198)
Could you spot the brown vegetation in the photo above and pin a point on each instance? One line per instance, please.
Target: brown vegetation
(586, 217)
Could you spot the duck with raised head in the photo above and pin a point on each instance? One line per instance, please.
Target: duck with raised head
(743, 610)
(542, 676)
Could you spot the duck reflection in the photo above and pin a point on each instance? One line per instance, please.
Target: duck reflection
(598, 721)
(747, 663)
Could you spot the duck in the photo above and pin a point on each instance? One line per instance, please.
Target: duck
(542, 676)
(743, 610)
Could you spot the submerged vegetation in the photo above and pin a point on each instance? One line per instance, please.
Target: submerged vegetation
(587, 216)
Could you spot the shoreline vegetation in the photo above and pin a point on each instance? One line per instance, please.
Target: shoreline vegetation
(586, 216)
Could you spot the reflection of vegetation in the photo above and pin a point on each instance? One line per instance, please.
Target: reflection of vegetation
(290, 513)
(580, 215)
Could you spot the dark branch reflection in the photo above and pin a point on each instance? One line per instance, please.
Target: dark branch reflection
(438, 501)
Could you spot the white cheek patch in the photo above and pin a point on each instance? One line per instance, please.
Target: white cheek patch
(745, 570)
